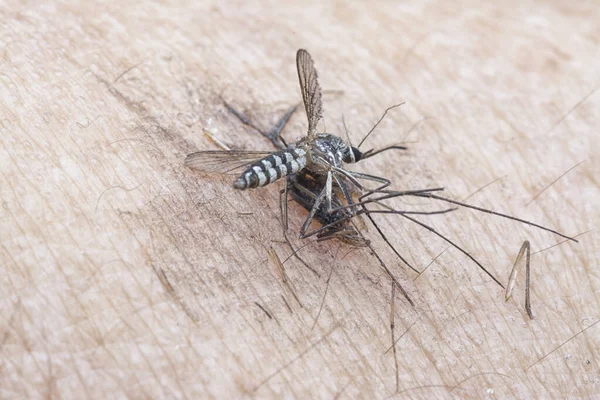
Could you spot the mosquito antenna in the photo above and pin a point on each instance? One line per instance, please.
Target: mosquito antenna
(377, 123)
(371, 153)
(433, 196)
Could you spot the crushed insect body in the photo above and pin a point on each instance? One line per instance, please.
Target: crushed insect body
(321, 156)
(316, 177)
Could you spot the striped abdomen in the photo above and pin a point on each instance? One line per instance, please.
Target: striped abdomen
(271, 168)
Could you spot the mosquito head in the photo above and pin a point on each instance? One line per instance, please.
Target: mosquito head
(357, 154)
(352, 155)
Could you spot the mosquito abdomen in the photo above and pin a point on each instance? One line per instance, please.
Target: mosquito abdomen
(271, 168)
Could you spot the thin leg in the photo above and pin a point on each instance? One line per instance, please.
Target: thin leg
(328, 191)
(430, 229)
(345, 192)
(283, 205)
(353, 176)
(385, 239)
(295, 254)
(274, 134)
(243, 118)
(389, 194)
(370, 212)
(433, 196)
(312, 213)
(386, 269)
(346, 235)
(283, 199)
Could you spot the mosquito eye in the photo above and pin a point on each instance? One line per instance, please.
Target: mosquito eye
(357, 154)
(347, 157)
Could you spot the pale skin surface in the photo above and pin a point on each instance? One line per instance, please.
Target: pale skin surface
(125, 274)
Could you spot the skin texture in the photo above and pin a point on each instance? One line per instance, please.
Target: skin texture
(125, 274)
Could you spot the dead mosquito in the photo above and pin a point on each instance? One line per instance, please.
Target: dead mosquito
(317, 180)
(319, 154)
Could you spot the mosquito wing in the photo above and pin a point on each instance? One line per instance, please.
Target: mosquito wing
(223, 161)
(311, 91)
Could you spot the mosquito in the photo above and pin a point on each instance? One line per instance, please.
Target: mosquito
(318, 153)
(317, 180)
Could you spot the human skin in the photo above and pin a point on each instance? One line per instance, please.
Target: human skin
(126, 274)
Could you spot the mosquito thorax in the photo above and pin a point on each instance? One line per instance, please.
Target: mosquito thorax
(334, 149)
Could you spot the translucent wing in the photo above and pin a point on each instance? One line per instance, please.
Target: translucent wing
(311, 91)
(223, 161)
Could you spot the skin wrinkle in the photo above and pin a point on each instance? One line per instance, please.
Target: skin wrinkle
(173, 241)
(470, 338)
(457, 357)
(258, 335)
(301, 355)
(134, 236)
(31, 220)
(366, 367)
(279, 351)
(357, 309)
(366, 371)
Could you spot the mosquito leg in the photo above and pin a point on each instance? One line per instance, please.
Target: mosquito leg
(392, 211)
(369, 212)
(385, 182)
(295, 254)
(347, 235)
(430, 229)
(353, 176)
(333, 229)
(312, 214)
(345, 192)
(283, 205)
(243, 118)
(433, 196)
(328, 191)
(275, 133)
(385, 239)
(389, 273)
(389, 194)
(283, 199)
